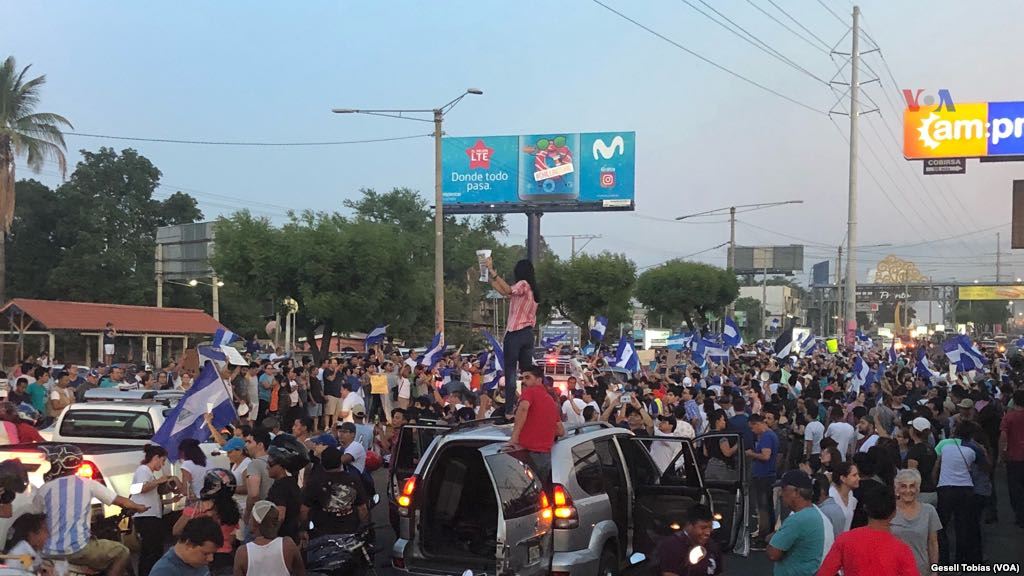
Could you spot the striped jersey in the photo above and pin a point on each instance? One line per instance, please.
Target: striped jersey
(67, 501)
(522, 310)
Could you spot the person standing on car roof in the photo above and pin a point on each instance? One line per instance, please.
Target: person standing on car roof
(674, 553)
(522, 317)
(537, 422)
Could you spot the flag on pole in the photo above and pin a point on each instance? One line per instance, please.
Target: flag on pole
(208, 394)
(807, 343)
(714, 352)
(678, 341)
(490, 374)
(434, 351)
(376, 335)
(499, 354)
(861, 374)
(962, 352)
(551, 341)
(626, 356)
(892, 353)
(600, 327)
(923, 367)
(224, 337)
(784, 344)
(731, 334)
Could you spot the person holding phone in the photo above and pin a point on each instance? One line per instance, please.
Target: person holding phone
(522, 317)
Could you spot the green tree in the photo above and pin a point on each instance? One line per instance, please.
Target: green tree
(752, 308)
(36, 136)
(32, 250)
(687, 289)
(586, 286)
(982, 313)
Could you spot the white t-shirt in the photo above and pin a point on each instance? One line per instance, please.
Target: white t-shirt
(871, 441)
(571, 417)
(358, 453)
(404, 388)
(142, 475)
(815, 432)
(684, 429)
(843, 434)
(23, 548)
(954, 466)
(198, 475)
(350, 402)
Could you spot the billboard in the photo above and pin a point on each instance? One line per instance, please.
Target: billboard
(773, 259)
(557, 171)
(990, 292)
(820, 273)
(186, 250)
(968, 130)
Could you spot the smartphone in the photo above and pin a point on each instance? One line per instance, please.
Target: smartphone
(626, 398)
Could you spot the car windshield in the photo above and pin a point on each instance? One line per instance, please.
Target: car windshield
(107, 424)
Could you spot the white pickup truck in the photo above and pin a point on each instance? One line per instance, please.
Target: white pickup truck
(111, 428)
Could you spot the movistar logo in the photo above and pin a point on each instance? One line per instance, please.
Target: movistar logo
(605, 151)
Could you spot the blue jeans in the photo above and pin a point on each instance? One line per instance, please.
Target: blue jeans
(518, 349)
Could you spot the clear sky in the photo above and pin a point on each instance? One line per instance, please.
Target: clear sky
(271, 71)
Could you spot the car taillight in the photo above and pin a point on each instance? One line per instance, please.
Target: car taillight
(405, 498)
(89, 470)
(545, 506)
(552, 360)
(565, 512)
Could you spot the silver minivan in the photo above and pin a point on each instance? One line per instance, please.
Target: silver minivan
(462, 499)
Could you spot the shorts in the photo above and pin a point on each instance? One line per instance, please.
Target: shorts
(99, 554)
(315, 409)
(333, 406)
(108, 349)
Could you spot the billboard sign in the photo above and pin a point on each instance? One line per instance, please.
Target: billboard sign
(186, 250)
(820, 273)
(945, 166)
(557, 171)
(966, 130)
(769, 259)
(983, 292)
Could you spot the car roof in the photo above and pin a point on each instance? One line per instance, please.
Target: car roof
(502, 432)
(121, 406)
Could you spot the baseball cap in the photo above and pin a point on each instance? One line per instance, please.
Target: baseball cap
(796, 479)
(921, 424)
(234, 444)
(359, 410)
(966, 403)
(347, 427)
(262, 508)
(325, 439)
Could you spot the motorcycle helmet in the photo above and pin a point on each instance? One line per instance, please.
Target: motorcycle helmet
(287, 451)
(64, 460)
(216, 482)
(13, 480)
(28, 413)
(373, 461)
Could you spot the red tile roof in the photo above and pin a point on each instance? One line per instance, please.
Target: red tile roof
(93, 317)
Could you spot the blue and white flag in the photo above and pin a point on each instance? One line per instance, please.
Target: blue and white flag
(678, 341)
(962, 352)
(731, 335)
(923, 367)
(434, 351)
(861, 374)
(499, 354)
(208, 394)
(224, 337)
(808, 344)
(1019, 343)
(626, 356)
(713, 352)
(489, 372)
(549, 342)
(376, 335)
(600, 327)
(892, 353)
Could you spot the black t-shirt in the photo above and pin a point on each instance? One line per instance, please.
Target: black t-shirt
(674, 552)
(285, 492)
(332, 497)
(332, 387)
(925, 458)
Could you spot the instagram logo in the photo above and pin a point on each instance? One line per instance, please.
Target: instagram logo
(607, 178)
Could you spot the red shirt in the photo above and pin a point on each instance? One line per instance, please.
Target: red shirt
(1013, 427)
(868, 552)
(522, 310)
(542, 418)
(28, 433)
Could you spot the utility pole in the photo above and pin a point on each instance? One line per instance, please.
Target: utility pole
(999, 268)
(159, 363)
(851, 223)
(732, 239)
(839, 292)
(764, 301)
(438, 227)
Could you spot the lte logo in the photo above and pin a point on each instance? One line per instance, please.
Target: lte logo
(914, 100)
(479, 155)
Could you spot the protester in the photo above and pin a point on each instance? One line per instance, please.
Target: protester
(806, 534)
(522, 318)
(1011, 446)
(764, 455)
(537, 423)
(197, 542)
(872, 549)
(674, 551)
(268, 553)
(149, 525)
(916, 523)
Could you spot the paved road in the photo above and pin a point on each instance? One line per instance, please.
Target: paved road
(1002, 540)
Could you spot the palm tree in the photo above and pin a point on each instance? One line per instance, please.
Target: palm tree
(23, 132)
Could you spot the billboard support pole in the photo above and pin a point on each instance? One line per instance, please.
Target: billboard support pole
(533, 236)
(438, 227)
(159, 362)
(851, 223)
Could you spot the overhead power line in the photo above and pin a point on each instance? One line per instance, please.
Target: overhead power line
(708, 60)
(833, 13)
(802, 27)
(239, 143)
(826, 49)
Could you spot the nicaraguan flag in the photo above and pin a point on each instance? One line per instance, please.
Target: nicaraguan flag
(499, 354)
(697, 356)
(600, 327)
(626, 356)
(807, 343)
(208, 394)
(731, 335)
(489, 372)
(962, 352)
(377, 334)
(861, 374)
(1019, 343)
(892, 353)
(549, 342)
(434, 351)
(923, 367)
(712, 351)
(678, 341)
(224, 337)
(784, 344)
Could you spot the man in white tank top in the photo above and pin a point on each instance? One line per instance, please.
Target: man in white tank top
(268, 554)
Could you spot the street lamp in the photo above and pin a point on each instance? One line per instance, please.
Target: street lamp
(438, 118)
(215, 283)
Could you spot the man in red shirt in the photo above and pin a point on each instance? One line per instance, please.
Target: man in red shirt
(537, 421)
(871, 550)
(1011, 444)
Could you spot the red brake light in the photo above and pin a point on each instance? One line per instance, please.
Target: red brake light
(552, 360)
(88, 470)
(545, 506)
(564, 512)
(405, 498)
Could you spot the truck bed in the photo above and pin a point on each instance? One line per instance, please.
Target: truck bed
(87, 449)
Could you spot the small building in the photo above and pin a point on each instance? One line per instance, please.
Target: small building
(72, 332)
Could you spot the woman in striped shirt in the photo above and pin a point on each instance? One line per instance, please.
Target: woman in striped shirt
(522, 317)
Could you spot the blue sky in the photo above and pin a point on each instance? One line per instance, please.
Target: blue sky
(262, 71)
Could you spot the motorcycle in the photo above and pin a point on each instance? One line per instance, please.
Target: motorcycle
(341, 555)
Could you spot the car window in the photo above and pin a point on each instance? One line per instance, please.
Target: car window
(518, 487)
(673, 460)
(611, 464)
(107, 424)
(638, 461)
(587, 468)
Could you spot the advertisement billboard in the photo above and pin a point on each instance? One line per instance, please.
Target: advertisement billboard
(990, 292)
(820, 273)
(966, 130)
(551, 172)
(769, 259)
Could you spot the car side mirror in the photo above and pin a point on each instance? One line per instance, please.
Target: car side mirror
(637, 558)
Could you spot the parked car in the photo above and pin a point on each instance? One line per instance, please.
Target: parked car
(111, 428)
(464, 499)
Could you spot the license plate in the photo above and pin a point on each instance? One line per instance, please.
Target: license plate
(533, 554)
